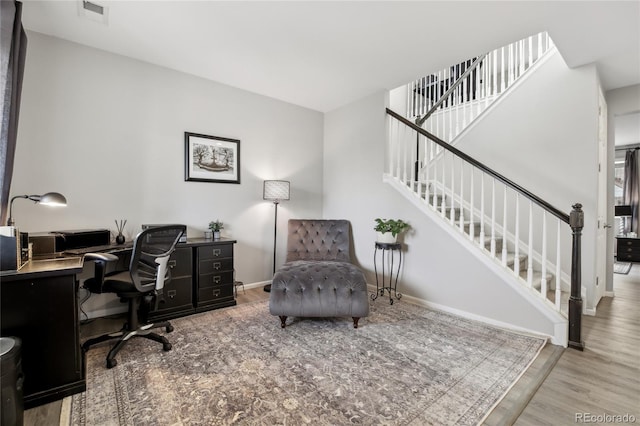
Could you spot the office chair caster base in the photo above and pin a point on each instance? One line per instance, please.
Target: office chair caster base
(166, 347)
(169, 328)
(111, 363)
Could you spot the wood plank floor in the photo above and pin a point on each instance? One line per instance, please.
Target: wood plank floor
(604, 379)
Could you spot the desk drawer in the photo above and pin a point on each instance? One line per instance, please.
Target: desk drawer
(214, 294)
(217, 251)
(177, 293)
(215, 265)
(180, 262)
(215, 279)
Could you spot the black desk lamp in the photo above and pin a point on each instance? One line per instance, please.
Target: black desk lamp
(623, 211)
(276, 191)
(48, 199)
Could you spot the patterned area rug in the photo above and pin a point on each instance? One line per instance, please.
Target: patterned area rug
(621, 267)
(404, 365)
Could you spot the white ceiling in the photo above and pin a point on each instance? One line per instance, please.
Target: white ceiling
(322, 55)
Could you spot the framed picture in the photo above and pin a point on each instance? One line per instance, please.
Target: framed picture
(211, 158)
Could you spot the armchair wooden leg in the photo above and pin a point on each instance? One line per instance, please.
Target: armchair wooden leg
(283, 321)
(355, 322)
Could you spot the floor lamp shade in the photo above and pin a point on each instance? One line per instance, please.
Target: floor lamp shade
(276, 190)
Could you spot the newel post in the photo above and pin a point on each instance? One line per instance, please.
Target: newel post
(576, 221)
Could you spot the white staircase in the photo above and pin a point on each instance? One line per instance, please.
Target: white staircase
(515, 229)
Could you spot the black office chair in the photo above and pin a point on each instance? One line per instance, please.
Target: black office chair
(140, 286)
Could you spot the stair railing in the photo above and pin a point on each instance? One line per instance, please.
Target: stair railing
(447, 101)
(469, 195)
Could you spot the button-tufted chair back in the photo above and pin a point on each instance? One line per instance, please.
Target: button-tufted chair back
(314, 239)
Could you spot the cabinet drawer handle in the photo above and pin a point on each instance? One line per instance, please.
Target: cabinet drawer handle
(172, 263)
(217, 266)
(216, 279)
(216, 252)
(216, 292)
(171, 294)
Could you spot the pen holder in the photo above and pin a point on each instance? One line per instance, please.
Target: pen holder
(120, 239)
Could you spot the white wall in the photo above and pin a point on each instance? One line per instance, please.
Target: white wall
(108, 132)
(437, 268)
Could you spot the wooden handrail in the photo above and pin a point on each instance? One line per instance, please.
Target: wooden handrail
(457, 83)
(539, 201)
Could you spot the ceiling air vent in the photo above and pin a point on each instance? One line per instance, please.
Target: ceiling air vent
(93, 11)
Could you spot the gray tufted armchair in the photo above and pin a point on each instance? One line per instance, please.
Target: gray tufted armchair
(318, 278)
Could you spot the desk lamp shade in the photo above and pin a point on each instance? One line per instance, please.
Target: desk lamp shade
(276, 190)
(49, 199)
(623, 210)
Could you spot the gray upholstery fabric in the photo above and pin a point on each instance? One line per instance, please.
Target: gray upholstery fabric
(318, 279)
(318, 240)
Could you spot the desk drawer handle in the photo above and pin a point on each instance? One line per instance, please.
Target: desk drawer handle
(217, 266)
(171, 294)
(216, 292)
(172, 264)
(216, 252)
(216, 279)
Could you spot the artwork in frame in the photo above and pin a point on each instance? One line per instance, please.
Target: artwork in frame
(211, 158)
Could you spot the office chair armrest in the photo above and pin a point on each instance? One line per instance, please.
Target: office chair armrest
(100, 260)
(104, 257)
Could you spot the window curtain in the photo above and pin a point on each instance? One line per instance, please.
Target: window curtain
(13, 49)
(631, 190)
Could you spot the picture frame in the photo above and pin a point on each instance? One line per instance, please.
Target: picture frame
(211, 158)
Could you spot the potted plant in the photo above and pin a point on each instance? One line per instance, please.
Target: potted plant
(215, 227)
(388, 229)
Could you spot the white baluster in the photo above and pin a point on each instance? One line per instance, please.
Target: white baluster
(393, 137)
(443, 207)
(493, 217)
(530, 51)
(465, 102)
(516, 248)
(461, 206)
(543, 278)
(404, 157)
(412, 159)
(558, 278)
(472, 226)
(539, 45)
(452, 192)
(504, 227)
(481, 208)
(511, 66)
(521, 43)
(530, 254)
(435, 176)
(456, 91)
(504, 71)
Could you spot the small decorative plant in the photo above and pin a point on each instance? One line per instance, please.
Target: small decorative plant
(216, 225)
(390, 225)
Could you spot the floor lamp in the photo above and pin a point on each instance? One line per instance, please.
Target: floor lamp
(276, 191)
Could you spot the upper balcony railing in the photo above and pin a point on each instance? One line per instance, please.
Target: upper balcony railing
(446, 102)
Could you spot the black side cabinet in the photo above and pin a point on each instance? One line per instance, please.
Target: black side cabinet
(214, 276)
(43, 312)
(628, 249)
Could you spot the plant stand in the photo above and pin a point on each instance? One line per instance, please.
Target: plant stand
(387, 261)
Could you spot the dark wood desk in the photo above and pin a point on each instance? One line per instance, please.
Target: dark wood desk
(39, 305)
